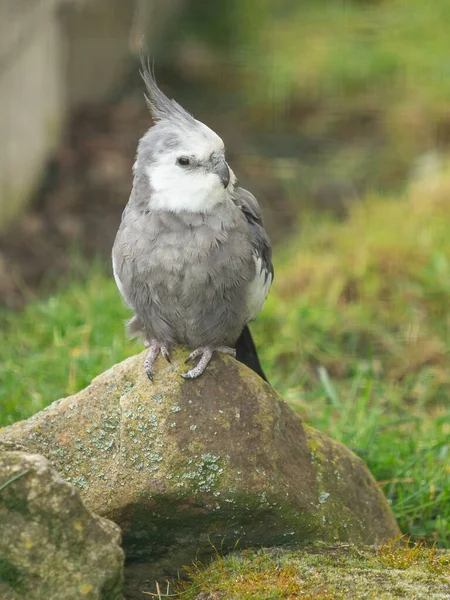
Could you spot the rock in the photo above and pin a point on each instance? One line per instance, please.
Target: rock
(51, 546)
(390, 572)
(183, 466)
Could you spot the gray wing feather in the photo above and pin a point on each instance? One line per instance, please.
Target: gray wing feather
(262, 250)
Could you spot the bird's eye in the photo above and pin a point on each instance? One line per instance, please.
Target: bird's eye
(183, 161)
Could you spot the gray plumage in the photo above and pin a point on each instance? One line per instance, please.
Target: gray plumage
(191, 257)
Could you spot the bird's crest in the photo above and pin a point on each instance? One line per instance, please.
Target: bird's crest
(162, 107)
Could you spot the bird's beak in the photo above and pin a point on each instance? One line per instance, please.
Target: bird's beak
(222, 170)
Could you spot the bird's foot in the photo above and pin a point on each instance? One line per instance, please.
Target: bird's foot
(155, 349)
(206, 353)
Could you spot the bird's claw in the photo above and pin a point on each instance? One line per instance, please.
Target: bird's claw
(155, 349)
(206, 354)
(194, 354)
(166, 354)
(188, 375)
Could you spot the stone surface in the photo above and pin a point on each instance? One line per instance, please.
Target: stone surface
(51, 546)
(185, 465)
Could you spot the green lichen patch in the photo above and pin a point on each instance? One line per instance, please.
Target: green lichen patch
(321, 572)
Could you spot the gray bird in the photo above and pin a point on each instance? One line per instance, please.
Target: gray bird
(191, 257)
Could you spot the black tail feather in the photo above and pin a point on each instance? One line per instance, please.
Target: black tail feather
(246, 352)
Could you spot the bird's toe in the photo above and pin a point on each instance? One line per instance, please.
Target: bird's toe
(194, 354)
(226, 350)
(165, 353)
(192, 374)
(206, 354)
(155, 349)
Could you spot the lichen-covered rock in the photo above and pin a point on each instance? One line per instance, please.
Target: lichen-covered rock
(185, 465)
(51, 546)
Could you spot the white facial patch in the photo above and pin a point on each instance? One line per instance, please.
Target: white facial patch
(176, 189)
(191, 189)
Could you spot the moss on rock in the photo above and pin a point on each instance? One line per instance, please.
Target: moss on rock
(320, 572)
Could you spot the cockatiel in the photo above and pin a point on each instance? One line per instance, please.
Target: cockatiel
(191, 257)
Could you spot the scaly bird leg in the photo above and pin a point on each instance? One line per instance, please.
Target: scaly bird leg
(155, 349)
(206, 354)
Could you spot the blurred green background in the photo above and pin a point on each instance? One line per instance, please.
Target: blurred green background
(336, 115)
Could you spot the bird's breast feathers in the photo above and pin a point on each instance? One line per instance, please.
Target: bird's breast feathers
(185, 253)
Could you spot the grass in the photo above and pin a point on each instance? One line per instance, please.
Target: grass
(55, 346)
(357, 331)
(355, 336)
